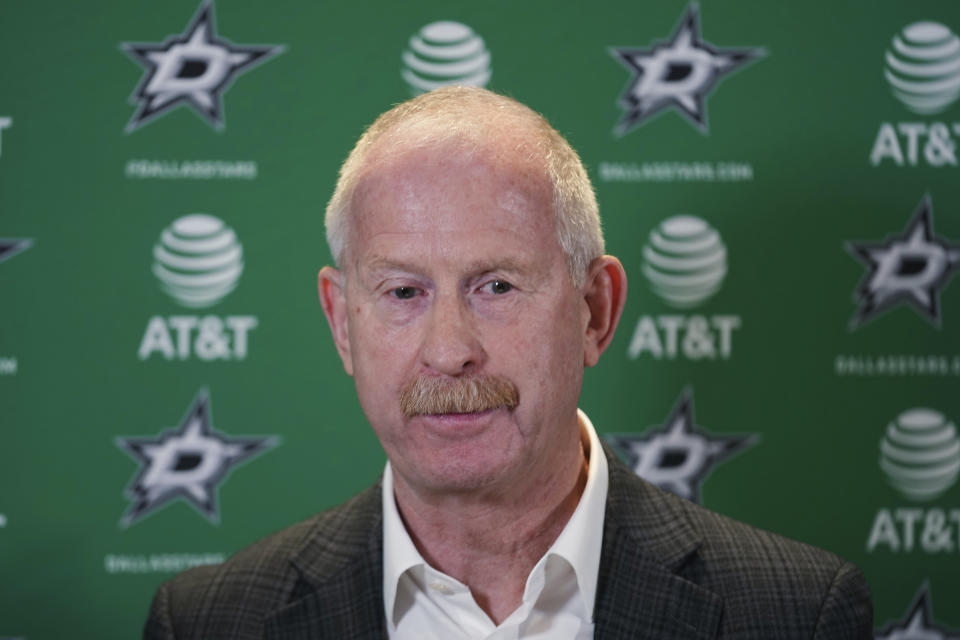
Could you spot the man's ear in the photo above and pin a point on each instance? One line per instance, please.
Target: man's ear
(605, 293)
(330, 285)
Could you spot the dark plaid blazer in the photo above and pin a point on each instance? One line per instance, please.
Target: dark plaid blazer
(668, 569)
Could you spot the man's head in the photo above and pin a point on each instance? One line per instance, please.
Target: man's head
(470, 118)
(462, 315)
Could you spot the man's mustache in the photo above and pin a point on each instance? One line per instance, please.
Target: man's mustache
(425, 395)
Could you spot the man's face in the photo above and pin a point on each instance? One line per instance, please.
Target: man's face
(454, 270)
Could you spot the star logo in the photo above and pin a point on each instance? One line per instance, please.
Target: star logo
(679, 455)
(188, 462)
(912, 267)
(679, 73)
(918, 623)
(194, 68)
(10, 247)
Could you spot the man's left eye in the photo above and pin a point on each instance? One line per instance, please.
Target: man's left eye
(404, 293)
(499, 286)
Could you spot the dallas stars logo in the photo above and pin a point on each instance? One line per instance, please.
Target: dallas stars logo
(918, 622)
(194, 68)
(189, 462)
(679, 455)
(678, 73)
(10, 247)
(912, 267)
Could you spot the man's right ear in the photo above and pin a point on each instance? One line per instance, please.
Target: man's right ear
(330, 286)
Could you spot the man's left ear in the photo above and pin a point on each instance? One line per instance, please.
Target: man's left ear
(604, 292)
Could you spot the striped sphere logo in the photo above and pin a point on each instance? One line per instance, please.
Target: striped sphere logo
(445, 53)
(685, 261)
(198, 260)
(923, 67)
(920, 454)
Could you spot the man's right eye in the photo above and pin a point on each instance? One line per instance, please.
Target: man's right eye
(404, 293)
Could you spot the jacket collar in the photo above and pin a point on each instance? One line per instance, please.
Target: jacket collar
(648, 547)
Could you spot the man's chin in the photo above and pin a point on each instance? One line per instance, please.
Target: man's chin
(456, 475)
(461, 452)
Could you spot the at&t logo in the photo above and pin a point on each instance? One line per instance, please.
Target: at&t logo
(198, 261)
(445, 53)
(685, 264)
(920, 456)
(922, 69)
(4, 124)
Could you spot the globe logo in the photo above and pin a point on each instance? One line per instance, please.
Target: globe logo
(685, 261)
(198, 260)
(923, 67)
(920, 454)
(445, 53)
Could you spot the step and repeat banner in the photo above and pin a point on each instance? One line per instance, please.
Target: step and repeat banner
(780, 181)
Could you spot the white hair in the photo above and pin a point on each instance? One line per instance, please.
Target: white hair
(472, 116)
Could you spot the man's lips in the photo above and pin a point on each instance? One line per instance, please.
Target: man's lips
(458, 416)
(457, 424)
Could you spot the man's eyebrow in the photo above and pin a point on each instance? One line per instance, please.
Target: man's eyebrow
(382, 263)
(504, 264)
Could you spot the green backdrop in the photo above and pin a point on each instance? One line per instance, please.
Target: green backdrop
(779, 180)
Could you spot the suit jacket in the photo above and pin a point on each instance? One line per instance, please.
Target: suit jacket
(668, 569)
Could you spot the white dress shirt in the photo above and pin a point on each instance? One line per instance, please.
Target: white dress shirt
(423, 603)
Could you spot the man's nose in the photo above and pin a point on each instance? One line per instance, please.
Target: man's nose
(451, 344)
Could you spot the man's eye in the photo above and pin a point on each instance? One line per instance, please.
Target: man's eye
(404, 293)
(499, 286)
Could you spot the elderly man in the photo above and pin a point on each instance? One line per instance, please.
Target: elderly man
(471, 293)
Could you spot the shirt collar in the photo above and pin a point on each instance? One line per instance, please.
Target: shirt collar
(399, 552)
(578, 543)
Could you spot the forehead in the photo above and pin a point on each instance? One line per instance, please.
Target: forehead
(453, 186)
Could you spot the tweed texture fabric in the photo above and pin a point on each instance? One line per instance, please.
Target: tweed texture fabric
(668, 569)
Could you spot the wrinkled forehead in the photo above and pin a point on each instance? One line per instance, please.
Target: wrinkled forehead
(430, 181)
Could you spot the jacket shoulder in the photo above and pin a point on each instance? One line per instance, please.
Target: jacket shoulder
(771, 586)
(798, 587)
(232, 599)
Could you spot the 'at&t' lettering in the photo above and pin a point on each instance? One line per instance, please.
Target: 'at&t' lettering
(929, 530)
(694, 337)
(916, 143)
(207, 338)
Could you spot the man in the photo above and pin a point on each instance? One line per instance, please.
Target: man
(471, 293)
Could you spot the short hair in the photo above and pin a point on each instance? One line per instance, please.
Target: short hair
(471, 115)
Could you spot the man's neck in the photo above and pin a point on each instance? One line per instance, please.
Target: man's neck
(491, 542)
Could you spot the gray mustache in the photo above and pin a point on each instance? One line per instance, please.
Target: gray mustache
(425, 395)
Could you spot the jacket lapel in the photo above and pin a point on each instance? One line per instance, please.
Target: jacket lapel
(648, 545)
(349, 605)
(339, 592)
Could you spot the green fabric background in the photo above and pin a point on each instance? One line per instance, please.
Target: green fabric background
(75, 305)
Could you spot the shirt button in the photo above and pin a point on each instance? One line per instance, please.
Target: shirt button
(439, 586)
